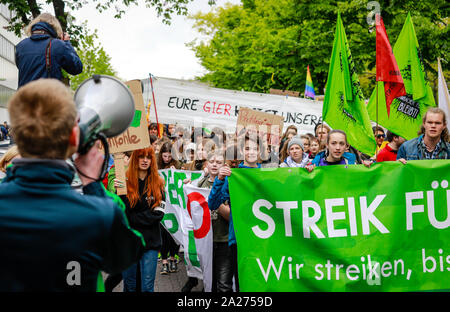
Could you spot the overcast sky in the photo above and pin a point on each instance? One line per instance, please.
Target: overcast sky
(139, 43)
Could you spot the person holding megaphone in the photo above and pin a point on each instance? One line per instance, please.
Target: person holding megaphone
(53, 238)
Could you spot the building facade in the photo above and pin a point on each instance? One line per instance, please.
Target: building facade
(8, 69)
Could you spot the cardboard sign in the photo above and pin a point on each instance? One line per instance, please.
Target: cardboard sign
(284, 92)
(136, 136)
(120, 173)
(263, 123)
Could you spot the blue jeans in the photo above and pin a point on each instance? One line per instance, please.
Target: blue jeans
(148, 264)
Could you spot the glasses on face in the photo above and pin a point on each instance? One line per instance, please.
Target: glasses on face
(379, 136)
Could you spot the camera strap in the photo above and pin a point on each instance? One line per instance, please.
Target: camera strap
(48, 58)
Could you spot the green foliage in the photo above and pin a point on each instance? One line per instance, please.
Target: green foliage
(248, 43)
(26, 10)
(94, 58)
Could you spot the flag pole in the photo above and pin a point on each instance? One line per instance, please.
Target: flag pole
(154, 102)
(377, 20)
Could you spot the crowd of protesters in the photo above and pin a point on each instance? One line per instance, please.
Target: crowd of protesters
(123, 236)
(215, 153)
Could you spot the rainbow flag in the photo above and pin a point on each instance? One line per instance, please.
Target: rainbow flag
(309, 88)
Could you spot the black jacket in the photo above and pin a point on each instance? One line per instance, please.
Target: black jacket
(145, 220)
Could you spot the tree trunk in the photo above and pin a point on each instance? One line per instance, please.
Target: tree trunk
(58, 6)
(34, 8)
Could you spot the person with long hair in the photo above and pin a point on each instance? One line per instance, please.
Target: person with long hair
(336, 152)
(165, 159)
(296, 155)
(144, 202)
(169, 246)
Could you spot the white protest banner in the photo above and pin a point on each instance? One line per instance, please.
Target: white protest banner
(195, 104)
(187, 221)
(197, 207)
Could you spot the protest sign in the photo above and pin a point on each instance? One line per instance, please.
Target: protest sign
(188, 220)
(263, 123)
(343, 228)
(136, 136)
(120, 173)
(195, 104)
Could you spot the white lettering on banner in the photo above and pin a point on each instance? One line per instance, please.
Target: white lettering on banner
(331, 216)
(412, 209)
(262, 216)
(367, 214)
(287, 206)
(310, 221)
(369, 270)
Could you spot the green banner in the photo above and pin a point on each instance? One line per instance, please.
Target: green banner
(343, 228)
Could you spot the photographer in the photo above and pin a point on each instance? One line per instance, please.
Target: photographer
(46, 51)
(53, 238)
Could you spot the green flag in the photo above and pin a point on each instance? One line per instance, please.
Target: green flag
(343, 106)
(406, 111)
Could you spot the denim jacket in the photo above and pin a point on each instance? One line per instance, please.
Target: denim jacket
(411, 150)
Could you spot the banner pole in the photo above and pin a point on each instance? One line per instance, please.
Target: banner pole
(376, 82)
(154, 102)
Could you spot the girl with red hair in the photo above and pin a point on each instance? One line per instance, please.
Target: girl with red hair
(145, 209)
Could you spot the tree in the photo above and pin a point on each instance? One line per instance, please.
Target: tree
(26, 10)
(247, 44)
(94, 58)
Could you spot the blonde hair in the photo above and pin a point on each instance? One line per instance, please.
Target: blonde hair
(42, 114)
(11, 153)
(47, 18)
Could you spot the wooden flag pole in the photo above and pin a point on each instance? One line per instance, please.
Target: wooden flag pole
(154, 102)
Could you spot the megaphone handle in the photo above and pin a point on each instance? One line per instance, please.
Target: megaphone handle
(104, 140)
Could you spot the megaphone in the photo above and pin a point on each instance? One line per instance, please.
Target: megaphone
(106, 109)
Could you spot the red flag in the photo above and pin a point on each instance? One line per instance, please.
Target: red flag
(387, 68)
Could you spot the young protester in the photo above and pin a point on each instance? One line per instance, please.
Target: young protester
(314, 147)
(321, 130)
(306, 143)
(289, 133)
(220, 194)
(56, 226)
(169, 247)
(297, 157)
(165, 159)
(144, 202)
(222, 274)
(379, 135)
(46, 51)
(199, 161)
(11, 154)
(153, 129)
(222, 265)
(335, 153)
(389, 152)
(433, 140)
